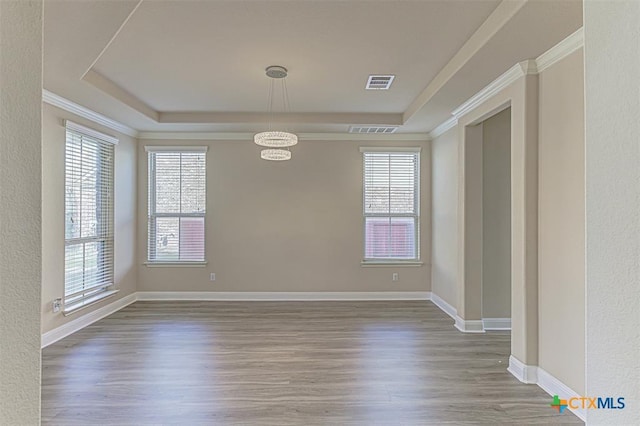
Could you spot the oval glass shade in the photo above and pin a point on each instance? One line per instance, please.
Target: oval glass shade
(275, 154)
(275, 139)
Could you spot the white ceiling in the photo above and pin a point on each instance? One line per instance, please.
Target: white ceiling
(199, 65)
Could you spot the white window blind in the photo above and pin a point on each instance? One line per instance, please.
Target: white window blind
(177, 204)
(88, 215)
(391, 195)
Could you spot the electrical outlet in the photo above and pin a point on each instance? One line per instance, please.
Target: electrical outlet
(213, 276)
(56, 304)
(394, 276)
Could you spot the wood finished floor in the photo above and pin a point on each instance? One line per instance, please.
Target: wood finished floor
(285, 363)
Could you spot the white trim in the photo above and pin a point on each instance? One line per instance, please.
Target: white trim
(558, 52)
(284, 296)
(469, 326)
(79, 323)
(90, 132)
(390, 149)
(553, 386)
(175, 264)
(163, 148)
(86, 303)
(74, 108)
(496, 323)
(525, 373)
(561, 50)
(233, 136)
(391, 264)
(443, 127)
(443, 305)
(497, 85)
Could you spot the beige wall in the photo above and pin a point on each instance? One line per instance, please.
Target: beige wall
(561, 221)
(496, 216)
(284, 226)
(53, 143)
(444, 226)
(612, 44)
(20, 213)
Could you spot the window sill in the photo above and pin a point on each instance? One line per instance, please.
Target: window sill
(390, 263)
(72, 309)
(175, 264)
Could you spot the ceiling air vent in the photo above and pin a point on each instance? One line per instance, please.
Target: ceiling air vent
(373, 129)
(379, 82)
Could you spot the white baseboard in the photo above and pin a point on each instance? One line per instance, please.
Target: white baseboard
(443, 305)
(496, 323)
(87, 319)
(283, 296)
(469, 326)
(553, 386)
(523, 372)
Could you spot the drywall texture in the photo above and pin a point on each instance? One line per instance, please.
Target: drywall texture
(284, 226)
(561, 221)
(496, 216)
(444, 225)
(20, 215)
(125, 202)
(612, 99)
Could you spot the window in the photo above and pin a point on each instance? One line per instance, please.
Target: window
(177, 204)
(391, 194)
(88, 208)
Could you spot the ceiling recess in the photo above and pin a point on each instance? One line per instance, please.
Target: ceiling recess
(379, 82)
(373, 129)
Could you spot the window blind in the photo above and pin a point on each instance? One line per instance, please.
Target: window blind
(391, 204)
(177, 204)
(89, 257)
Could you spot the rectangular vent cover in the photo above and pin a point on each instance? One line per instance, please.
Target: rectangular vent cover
(373, 129)
(379, 82)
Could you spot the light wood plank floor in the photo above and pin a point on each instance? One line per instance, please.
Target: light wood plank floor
(285, 363)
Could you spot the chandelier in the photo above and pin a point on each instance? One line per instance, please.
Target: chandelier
(277, 141)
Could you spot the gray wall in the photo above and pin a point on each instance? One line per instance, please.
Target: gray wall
(444, 226)
(612, 44)
(20, 213)
(561, 221)
(293, 226)
(496, 216)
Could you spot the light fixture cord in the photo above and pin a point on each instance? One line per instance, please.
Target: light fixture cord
(270, 115)
(285, 99)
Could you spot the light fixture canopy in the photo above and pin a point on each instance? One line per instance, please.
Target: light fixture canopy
(275, 154)
(276, 138)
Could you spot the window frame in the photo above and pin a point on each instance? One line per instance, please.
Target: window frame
(383, 261)
(151, 206)
(83, 298)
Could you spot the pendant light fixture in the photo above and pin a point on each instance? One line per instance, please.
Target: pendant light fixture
(276, 140)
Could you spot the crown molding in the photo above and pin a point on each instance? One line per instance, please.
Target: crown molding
(561, 50)
(443, 127)
(216, 136)
(496, 20)
(529, 67)
(213, 117)
(512, 74)
(84, 112)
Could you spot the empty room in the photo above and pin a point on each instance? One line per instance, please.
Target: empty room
(279, 212)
